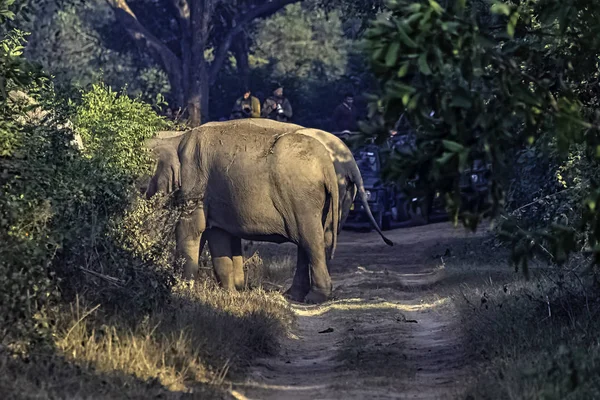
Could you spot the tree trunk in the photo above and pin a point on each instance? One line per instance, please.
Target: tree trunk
(190, 76)
(197, 101)
(240, 50)
(200, 18)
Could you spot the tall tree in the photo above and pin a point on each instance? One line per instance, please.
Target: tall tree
(201, 25)
(303, 43)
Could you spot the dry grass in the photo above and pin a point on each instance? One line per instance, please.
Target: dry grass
(202, 338)
(271, 266)
(535, 339)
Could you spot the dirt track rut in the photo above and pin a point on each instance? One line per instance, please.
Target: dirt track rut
(390, 332)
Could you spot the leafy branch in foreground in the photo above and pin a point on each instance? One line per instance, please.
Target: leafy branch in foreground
(482, 80)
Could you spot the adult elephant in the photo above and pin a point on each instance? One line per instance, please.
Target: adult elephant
(349, 179)
(255, 183)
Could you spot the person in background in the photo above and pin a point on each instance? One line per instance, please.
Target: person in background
(246, 106)
(277, 107)
(345, 115)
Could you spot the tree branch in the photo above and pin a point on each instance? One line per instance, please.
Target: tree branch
(239, 22)
(144, 38)
(183, 8)
(183, 15)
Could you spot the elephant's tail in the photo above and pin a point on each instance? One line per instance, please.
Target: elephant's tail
(332, 188)
(357, 180)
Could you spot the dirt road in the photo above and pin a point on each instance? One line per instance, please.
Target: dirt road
(390, 332)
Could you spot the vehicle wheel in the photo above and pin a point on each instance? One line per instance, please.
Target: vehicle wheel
(379, 219)
(416, 214)
(402, 214)
(386, 223)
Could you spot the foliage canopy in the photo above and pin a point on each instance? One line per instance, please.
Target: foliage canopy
(483, 80)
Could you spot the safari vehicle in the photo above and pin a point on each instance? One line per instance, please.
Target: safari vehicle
(378, 194)
(391, 204)
(388, 203)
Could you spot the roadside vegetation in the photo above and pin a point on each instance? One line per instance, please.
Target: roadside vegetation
(534, 339)
(91, 302)
(512, 84)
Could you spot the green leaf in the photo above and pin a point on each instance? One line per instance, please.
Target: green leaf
(404, 38)
(403, 69)
(392, 54)
(444, 159)
(423, 66)
(453, 146)
(435, 6)
(414, 7)
(401, 88)
(413, 103)
(414, 17)
(378, 53)
(500, 8)
(512, 23)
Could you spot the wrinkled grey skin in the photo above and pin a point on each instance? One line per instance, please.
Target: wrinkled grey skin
(256, 183)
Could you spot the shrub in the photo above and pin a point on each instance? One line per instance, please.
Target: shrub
(25, 209)
(60, 208)
(103, 192)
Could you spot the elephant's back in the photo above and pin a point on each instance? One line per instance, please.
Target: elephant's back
(299, 158)
(240, 146)
(227, 136)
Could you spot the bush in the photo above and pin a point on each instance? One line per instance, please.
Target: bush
(548, 195)
(60, 207)
(25, 209)
(103, 189)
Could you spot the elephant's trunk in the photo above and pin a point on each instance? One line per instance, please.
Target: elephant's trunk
(167, 175)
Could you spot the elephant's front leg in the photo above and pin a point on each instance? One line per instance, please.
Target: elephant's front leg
(239, 278)
(227, 259)
(188, 234)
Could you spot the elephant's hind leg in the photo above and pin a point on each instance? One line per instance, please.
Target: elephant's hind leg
(301, 284)
(312, 242)
(221, 246)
